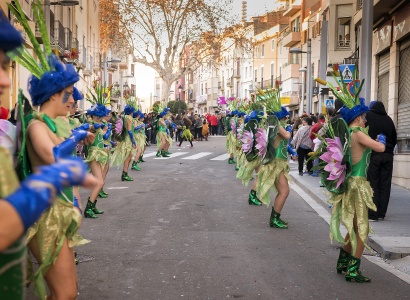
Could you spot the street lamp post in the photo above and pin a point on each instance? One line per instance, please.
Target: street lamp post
(113, 60)
(302, 102)
(122, 86)
(180, 90)
(309, 83)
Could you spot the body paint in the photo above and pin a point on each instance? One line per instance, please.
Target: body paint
(66, 97)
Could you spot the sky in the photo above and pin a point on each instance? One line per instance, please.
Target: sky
(145, 76)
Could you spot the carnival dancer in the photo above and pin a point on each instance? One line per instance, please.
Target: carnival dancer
(252, 160)
(346, 151)
(52, 238)
(21, 205)
(126, 148)
(108, 144)
(272, 143)
(186, 134)
(231, 126)
(139, 137)
(164, 141)
(143, 138)
(97, 154)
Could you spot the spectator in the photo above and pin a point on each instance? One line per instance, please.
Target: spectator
(205, 129)
(381, 163)
(198, 128)
(214, 124)
(303, 144)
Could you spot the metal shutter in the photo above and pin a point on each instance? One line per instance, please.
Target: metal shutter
(403, 108)
(383, 80)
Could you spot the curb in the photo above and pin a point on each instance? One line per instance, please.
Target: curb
(378, 243)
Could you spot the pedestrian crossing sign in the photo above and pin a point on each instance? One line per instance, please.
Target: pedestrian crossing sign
(347, 72)
(330, 103)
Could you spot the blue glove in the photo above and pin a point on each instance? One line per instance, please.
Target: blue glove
(112, 144)
(166, 122)
(99, 125)
(109, 126)
(174, 125)
(381, 139)
(132, 137)
(291, 151)
(76, 204)
(67, 147)
(84, 127)
(289, 128)
(167, 131)
(38, 191)
(107, 135)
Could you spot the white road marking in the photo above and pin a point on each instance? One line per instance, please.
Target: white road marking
(117, 188)
(221, 157)
(325, 215)
(172, 155)
(150, 154)
(199, 155)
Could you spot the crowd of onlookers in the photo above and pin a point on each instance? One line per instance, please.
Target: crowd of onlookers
(201, 126)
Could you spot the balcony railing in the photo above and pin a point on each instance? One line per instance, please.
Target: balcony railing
(68, 38)
(84, 56)
(52, 28)
(61, 37)
(359, 4)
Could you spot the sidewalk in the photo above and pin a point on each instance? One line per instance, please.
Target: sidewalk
(392, 235)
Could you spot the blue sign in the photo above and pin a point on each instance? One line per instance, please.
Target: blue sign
(330, 103)
(347, 72)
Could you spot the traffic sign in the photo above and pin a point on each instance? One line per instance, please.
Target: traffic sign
(315, 90)
(347, 72)
(330, 103)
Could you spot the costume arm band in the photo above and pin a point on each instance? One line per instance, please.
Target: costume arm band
(131, 137)
(107, 135)
(291, 151)
(67, 147)
(38, 191)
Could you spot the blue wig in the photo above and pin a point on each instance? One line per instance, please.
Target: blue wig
(51, 82)
(349, 114)
(10, 38)
(98, 110)
(282, 113)
(129, 109)
(77, 94)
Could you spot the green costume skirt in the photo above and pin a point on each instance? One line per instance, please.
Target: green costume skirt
(267, 177)
(245, 171)
(186, 134)
(122, 151)
(356, 201)
(161, 134)
(140, 139)
(57, 224)
(230, 143)
(100, 155)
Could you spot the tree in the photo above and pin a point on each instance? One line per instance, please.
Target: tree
(177, 107)
(174, 37)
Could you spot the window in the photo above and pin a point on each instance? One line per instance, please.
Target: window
(262, 71)
(280, 48)
(273, 45)
(246, 71)
(263, 51)
(344, 19)
(272, 73)
(295, 25)
(256, 75)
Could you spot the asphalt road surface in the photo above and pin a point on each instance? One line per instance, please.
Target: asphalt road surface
(184, 230)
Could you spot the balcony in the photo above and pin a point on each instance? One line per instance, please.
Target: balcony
(68, 38)
(290, 71)
(291, 38)
(97, 62)
(112, 67)
(202, 99)
(230, 83)
(61, 37)
(293, 9)
(359, 5)
(237, 74)
(221, 85)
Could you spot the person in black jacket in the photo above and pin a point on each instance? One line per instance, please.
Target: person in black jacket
(381, 164)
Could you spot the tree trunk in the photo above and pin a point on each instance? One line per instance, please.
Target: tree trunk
(165, 90)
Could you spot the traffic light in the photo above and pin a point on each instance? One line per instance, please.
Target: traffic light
(324, 91)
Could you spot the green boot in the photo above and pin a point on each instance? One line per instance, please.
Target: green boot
(168, 153)
(141, 160)
(164, 154)
(88, 211)
(353, 272)
(253, 199)
(95, 209)
(125, 177)
(276, 221)
(102, 191)
(135, 166)
(231, 161)
(101, 194)
(236, 168)
(158, 154)
(342, 261)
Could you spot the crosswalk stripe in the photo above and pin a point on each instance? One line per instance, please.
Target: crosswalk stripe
(172, 155)
(150, 154)
(221, 157)
(199, 155)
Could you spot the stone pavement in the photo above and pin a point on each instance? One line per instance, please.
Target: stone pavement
(392, 235)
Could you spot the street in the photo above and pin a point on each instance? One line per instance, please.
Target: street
(184, 230)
